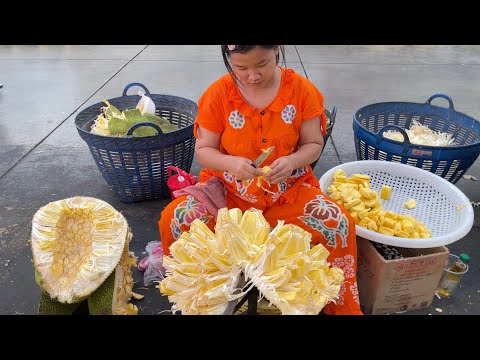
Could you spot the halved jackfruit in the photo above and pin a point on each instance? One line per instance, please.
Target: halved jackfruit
(113, 296)
(76, 244)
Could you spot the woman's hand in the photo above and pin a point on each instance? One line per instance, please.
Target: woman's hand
(281, 170)
(242, 168)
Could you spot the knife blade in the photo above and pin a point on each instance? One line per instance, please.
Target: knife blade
(258, 161)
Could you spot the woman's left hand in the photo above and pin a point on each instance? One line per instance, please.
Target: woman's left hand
(281, 170)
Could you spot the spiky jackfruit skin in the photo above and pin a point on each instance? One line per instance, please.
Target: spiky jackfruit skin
(113, 296)
(100, 302)
(48, 306)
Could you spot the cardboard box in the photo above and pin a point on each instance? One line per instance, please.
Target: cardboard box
(389, 286)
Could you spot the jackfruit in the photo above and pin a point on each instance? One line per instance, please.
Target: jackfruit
(385, 192)
(113, 296)
(410, 204)
(76, 244)
(204, 268)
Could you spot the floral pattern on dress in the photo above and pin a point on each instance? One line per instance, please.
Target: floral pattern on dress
(323, 209)
(236, 119)
(282, 187)
(299, 172)
(248, 198)
(318, 212)
(288, 114)
(340, 300)
(242, 186)
(185, 213)
(175, 228)
(227, 176)
(189, 210)
(346, 264)
(343, 289)
(354, 290)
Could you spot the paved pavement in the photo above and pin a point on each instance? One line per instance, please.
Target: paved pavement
(43, 159)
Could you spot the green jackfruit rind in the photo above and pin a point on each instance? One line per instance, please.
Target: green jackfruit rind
(48, 306)
(38, 278)
(163, 123)
(100, 301)
(112, 111)
(119, 125)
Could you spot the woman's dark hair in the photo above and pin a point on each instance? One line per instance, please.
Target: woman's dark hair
(243, 49)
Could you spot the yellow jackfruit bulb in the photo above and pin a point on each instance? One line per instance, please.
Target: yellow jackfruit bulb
(361, 178)
(76, 244)
(410, 204)
(339, 174)
(385, 192)
(235, 215)
(386, 231)
(255, 226)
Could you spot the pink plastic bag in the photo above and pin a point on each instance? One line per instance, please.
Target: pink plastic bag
(152, 264)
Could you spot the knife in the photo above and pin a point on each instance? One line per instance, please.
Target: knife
(266, 153)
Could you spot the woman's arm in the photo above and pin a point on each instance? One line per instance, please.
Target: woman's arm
(209, 156)
(310, 147)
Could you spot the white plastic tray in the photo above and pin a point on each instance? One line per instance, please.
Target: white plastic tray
(441, 206)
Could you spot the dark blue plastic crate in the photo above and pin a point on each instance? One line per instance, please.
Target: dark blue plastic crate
(449, 162)
(136, 167)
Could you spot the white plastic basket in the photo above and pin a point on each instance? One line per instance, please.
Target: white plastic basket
(441, 206)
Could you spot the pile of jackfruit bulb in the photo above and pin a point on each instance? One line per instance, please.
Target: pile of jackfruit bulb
(363, 203)
(80, 253)
(204, 269)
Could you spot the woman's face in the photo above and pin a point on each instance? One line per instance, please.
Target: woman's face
(256, 68)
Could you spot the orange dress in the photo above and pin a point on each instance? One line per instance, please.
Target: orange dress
(245, 131)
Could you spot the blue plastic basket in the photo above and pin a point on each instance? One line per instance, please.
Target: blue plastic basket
(136, 167)
(449, 162)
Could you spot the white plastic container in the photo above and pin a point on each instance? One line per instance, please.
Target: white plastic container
(441, 206)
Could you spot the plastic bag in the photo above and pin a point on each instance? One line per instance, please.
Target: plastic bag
(146, 105)
(152, 264)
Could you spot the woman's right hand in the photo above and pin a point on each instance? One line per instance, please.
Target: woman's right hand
(242, 168)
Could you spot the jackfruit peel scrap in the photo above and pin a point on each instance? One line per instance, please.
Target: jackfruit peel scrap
(283, 266)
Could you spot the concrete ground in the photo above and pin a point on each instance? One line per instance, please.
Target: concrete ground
(43, 159)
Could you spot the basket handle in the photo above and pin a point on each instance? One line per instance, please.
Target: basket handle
(181, 172)
(136, 84)
(406, 141)
(140, 124)
(333, 113)
(450, 102)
